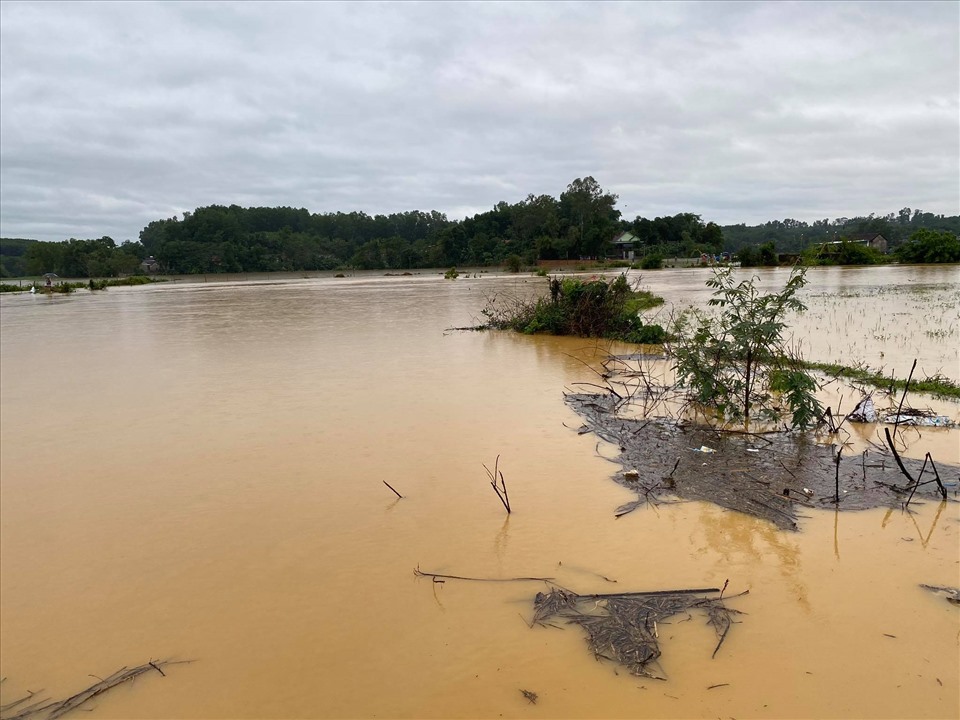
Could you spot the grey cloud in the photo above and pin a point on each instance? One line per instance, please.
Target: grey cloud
(112, 115)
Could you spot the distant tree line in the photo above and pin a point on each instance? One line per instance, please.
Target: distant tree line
(795, 236)
(70, 258)
(581, 223)
(234, 239)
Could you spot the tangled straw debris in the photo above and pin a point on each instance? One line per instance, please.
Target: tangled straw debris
(623, 627)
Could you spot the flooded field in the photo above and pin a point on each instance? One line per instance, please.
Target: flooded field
(195, 470)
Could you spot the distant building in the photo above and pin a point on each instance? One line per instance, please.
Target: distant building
(872, 240)
(150, 265)
(623, 245)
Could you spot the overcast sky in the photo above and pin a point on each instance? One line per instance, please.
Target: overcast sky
(113, 115)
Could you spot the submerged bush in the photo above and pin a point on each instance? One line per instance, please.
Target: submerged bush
(592, 308)
(764, 255)
(652, 262)
(846, 253)
(133, 280)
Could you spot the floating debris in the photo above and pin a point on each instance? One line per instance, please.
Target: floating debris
(45, 709)
(623, 627)
(866, 412)
(920, 418)
(951, 594)
(530, 696)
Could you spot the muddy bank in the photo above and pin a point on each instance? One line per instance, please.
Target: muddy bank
(771, 476)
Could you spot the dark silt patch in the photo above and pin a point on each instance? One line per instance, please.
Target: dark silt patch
(772, 476)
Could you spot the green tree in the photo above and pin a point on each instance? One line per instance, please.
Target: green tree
(44, 257)
(930, 246)
(737, 362)
(13, 261)
(767, 255)
(590, 216)
(748, 256)
(713, 236)
(535, 225)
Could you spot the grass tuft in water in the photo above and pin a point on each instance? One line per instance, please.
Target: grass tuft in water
(936, 385)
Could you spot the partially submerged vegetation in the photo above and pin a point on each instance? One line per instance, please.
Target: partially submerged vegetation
(936, 385)
(930, 246)
(585, 308)
(769, 474)
(718, 431)
(843, 253)
(738, 363)
(68, 287)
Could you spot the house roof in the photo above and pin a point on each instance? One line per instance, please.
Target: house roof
(624, 238)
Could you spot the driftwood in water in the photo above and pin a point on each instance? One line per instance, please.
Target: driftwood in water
(951, 594)
(423, 573)
(623, 628)
(44, 709)
(765, 475)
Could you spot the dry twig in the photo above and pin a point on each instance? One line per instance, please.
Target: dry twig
(500, 489)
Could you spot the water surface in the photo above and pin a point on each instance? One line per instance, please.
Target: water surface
(195, 470)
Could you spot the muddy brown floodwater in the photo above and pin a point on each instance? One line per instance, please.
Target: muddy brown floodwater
(194, 470)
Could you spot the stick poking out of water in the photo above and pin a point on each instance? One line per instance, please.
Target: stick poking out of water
(498, 484)
(394, 489)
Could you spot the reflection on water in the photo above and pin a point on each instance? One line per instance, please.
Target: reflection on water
(742, 540)
(923, 537)
(196, 471)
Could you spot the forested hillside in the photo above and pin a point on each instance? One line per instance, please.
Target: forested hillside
(581, 223)
(13, 262)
